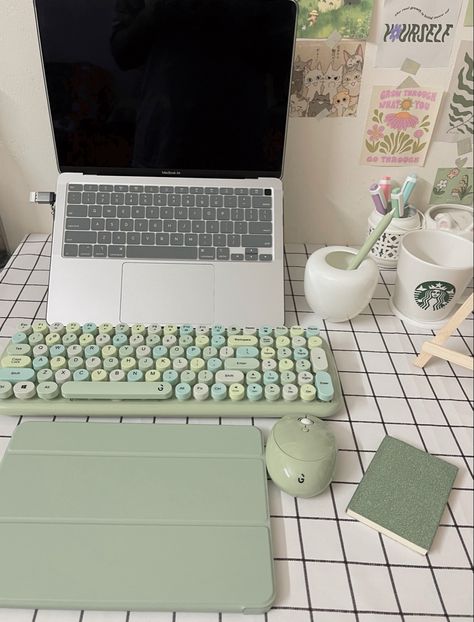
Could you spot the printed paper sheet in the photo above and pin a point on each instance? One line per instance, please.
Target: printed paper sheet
(452, 185)
(318, 19)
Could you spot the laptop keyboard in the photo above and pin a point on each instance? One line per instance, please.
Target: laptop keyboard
(169, 222)
(167, 370)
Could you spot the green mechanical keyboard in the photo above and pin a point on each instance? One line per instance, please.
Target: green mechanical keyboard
(169, 370)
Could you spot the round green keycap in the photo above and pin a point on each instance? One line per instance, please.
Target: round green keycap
(311, 331)
(119, 340)
(40, 326)
(254, 392)
(214, 364)
(200, 391)
(218, 391)
(155, 329)
(76, 362)
(272, 392)
(81, 375)
(69, 339)
(296, 331)
(192, 352)
(20, 338)
(270, 377)
(57, 327)
(111, 363)
(122, 329)
(135, 375)
(300, 353)
(218, 341)
(236, 391)
(6, 390)
(188, 377)
(125, 352)
(302, 365)
(218, 329)
(315, 342)
(152, 340)
(90, 327)
(40, 362)
(35, 338)
(183, 391)
(74, 328)
(159, 352)
(246, 352)
(186, 329)
(52, 339)
(264, 331)
(267, 353)
(185, 341)
(146, 363)
(136, 340)
(91, 351)
(282, 342)
(24, 327)
(57, 350)
(171, 376)
(44, 375)
(47, 390)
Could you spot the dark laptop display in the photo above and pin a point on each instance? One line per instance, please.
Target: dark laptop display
(163, 87)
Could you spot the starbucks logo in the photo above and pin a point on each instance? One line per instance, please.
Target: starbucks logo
(434, 295)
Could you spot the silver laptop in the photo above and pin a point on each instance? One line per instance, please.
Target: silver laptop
(169, 120)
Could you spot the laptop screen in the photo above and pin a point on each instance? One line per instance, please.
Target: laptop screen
(160, 87)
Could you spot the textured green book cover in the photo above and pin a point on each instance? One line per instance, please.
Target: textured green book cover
(403, 493)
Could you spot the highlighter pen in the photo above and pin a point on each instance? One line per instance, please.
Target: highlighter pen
(386, 185)
(378, 198)
(398, 203)
(408, 186)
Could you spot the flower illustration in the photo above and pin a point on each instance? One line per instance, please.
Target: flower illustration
(375, 132)
(418, 133)
(454, 172)
(402, 120)
(312, 17)
(440, 187)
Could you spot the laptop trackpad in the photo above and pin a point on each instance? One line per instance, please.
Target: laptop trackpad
(176, 293)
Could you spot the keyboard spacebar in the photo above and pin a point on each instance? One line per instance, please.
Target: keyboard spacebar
(162, 252)
(86, 390)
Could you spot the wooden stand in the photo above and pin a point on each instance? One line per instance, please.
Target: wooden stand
(434, 347)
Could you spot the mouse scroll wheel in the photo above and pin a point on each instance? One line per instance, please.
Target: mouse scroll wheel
(306, 421)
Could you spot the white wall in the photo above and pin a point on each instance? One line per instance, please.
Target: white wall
(325, 187)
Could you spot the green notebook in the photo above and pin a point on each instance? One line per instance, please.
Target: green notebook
(403, 493)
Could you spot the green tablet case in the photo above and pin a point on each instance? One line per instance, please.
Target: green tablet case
(135, 517)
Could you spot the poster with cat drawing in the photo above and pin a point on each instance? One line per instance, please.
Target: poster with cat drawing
(456, 119)
(318, 19)
(326, 82)
(421, 30)
(399, 125)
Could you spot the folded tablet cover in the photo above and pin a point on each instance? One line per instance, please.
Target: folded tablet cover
(135, 517)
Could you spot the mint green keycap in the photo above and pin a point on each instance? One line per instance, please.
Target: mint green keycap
(125, 351)
(41, 350)
(122, 329)
(218, 329)
(159, 352)
(193, 352)
(324, 386)
(270, 377)
(264, 331)
(74, 363)
(6, 390)
(69, 339)
(24, 327)
(40, 362)
(185, 341)
(242, 364)
(35, 338)
(47, 390)
(119, 340)
(188, 377)
(253, 377)
(266, 341)
(171, 376)
(284, 353)
(183, 391)
(92, 350)
(209, 352)
(19, 349)
(110, 363)
(135, 375)
(57, 350)
(300, 353)
(246, 352)
(175, 352)
(254, 392)
(145, 364)
(81, 375)
(281, 331)
(186, 329)
(137, 340)
(90, 327)
(20, 338)
(218, 391)
(218, 341)
(152, 340)
(311, 331)
(214, 364)
(44, 375)
(16, 374)
(302, 365)
(155, 329)
(117, 390)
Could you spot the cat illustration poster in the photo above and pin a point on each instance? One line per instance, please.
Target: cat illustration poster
(325, 81)
(399, 126)
(318, 19)
(421, 30)
(456, 116)
(453, 185)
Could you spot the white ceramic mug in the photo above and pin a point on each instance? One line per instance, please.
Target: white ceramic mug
(433, 270)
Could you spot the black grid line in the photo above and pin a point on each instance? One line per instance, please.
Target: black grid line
(359, 440)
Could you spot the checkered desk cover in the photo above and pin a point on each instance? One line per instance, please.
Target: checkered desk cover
(330, 568)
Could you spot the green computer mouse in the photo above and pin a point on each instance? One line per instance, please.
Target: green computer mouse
(301, 455)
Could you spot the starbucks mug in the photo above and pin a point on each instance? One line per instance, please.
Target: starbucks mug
(434, 268)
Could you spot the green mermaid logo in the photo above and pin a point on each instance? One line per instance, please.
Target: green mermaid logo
(434, 295)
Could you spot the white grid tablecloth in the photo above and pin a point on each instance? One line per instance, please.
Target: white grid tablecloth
(330, 568)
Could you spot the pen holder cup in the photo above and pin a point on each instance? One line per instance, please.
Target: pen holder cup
(385, 251)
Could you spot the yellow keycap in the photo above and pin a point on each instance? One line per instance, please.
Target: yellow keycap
(296, 331)
(314, 342)
(236, 391)
(285, 365)
(128, 363)
(267, 353)
(73, 327)
(197, 364)
(201, 341)
(107, 328)
(99, 375)
(234, 341)
(152, 375)
(308, 392)
(58, 362)
(162, 364)
(139, 329)
(170, 329)
(282, 342)
(86, 339)
(16, 361)
(40, 327)
(52, 339)
(109, 351)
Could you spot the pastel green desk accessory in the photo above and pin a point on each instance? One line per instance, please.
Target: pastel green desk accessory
(135, 517)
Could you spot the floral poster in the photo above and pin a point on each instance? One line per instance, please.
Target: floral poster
(326, 81)
(318, 19)
(452, 185)
(399, 126)
(456, 116)
(422, 30)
